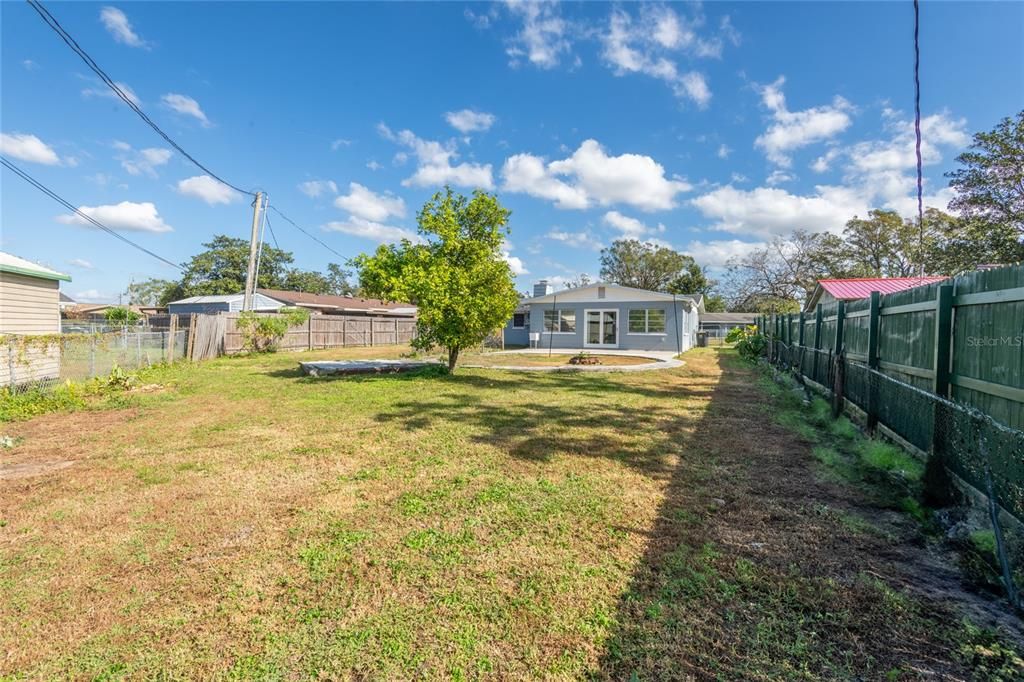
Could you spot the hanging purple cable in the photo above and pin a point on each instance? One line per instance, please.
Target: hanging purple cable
(917, 133)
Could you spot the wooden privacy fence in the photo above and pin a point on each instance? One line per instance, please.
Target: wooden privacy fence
(940, 366)
(329, 331)
(961, 339)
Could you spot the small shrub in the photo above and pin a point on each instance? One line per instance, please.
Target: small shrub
(262, 334)
(750, 343)
(121, 316)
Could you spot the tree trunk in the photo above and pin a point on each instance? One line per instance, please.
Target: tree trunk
(453, 357)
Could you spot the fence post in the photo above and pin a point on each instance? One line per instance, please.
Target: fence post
(172, 338)
(396, 334)
(874, 318)
(371, 330)
(309, 333)
(344, 331)
(10, 362)
(817, 339)
(840, 323)
(943, 335)
(190, 344)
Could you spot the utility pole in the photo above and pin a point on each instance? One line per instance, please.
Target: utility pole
(250, 274)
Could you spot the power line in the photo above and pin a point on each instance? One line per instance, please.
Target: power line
(52, 22)
(917, 134)
(272, 235)
(313, 237)
(56, 197)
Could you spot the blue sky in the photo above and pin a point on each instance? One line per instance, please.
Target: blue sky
(712, 127)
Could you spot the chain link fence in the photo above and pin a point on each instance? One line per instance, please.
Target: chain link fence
(960, 444)
(28, 362)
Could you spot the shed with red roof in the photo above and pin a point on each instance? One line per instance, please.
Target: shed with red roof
(854, 289)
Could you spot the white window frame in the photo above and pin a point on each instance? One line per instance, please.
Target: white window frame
(544, 322)
(521, 326)
(647, 322)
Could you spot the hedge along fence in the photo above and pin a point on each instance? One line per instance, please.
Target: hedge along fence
(941, 366)
(327, 331)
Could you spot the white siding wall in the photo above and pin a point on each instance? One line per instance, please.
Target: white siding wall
(28, 305)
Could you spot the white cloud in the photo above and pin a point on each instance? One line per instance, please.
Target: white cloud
(543, 38)
(898, 153)
(648, 44)
(339, 143)
(117, 24)
(515, 264)
(724, 151)
(435, 163)
(94, 296)
(631, 228)
(127, 215)
(141, 161)
(824, 162)
(208, 189)
(764, 212)
(718, 252)
(80, 263)
(594, 178)
(368, 229)
(468, 121)
(314, 188)
(739, 178)
(373, 165)
(29, 65)
(101, 90)
(366, 204)
(29, 148)
(185, 105)
(576, 240)
(791, 130)
(778, 177)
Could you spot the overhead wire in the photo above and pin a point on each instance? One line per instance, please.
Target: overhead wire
(71, 207)
(299, 228)
(917, 135)
(130, 101)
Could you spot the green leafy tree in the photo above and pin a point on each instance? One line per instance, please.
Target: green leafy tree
(692, 279)
(261, 333)
(221, 269)
(121, 316)
(715, 303)
(338, 281)
(883, 245)
(148, 292)
(456, 276)
(990, 185)
(643, 265)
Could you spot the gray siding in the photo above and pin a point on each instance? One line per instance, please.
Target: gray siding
(686, 323)
(200, 308)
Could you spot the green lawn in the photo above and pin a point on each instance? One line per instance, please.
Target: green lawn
(248, 522)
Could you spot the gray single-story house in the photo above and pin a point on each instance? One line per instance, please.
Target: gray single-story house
(605, 316)
(717, 325)
(227, 303)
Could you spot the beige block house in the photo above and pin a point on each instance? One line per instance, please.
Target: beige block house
(29, 306)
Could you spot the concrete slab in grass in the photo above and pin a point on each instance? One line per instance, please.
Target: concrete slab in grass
(342, 367)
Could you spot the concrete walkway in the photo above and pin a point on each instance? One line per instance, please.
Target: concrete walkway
(659, 360)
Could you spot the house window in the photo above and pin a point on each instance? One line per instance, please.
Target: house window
(646, 321)
(560, 321)
(519, 321)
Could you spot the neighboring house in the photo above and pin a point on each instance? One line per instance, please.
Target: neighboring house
(226, 303)
(29, 305)
(327, 304)
(92, 312)
(717, 325)
(607, 316)
(831, 290)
